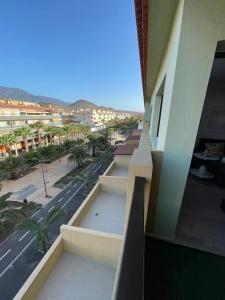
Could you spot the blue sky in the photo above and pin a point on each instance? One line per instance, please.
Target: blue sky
(72, 49)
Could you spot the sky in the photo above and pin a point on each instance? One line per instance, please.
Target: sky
(72, 49)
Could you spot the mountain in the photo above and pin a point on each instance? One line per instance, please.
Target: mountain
(19, 94)
(82, 103)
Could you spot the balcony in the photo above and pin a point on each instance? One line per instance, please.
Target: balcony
(104, 208)
(91, 259)
(77, 271)
(118, 169)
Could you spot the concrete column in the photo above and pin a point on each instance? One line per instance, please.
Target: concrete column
(203, 25)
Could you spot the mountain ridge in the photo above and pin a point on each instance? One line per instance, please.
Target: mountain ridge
(20, 94)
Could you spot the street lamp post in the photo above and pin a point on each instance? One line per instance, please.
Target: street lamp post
(43, 175)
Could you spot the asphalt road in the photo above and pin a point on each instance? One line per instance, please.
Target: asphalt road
(18, 254)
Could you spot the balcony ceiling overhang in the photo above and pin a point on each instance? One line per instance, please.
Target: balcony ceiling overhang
(154, 19)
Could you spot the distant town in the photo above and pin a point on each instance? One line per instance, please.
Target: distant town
(16, 113)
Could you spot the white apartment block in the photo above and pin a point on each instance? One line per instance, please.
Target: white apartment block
(97, 117)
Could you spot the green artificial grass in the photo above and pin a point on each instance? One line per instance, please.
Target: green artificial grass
(175, 272)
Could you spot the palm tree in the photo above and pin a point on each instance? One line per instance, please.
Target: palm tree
(24, 132)
(12, 165)
(88, 179)
(67, 129)
(50, 131)
(10, 212)
(38, 126)
(40, 230)
(58, 131)
(2, 143)
(32, 158)
(48, 152)
(86, 131)
(78, 155)
(93, 144)
(10, 140)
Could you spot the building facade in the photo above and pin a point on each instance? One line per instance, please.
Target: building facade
(15, 114)
(97, 117)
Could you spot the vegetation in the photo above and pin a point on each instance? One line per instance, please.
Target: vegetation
(12, 165)
(78, 155)
(40, 230)
(88, 179)
(32, 158)
(24, 132)
(71, 139)
(94, 144)
(10, 212)
(38, 126)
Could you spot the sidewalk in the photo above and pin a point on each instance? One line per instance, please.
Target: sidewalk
(31, 185)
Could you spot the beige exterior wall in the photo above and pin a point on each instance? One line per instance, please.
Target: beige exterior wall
(185, 67)
(33, 284)
(122, 160)
(94, 245)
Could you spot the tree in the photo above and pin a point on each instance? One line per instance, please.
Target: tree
(10, 140)
(32, 158)
(88, 179)
(78, 155)
(24, 132)
(41, 229)
(59, 132)
(48, 152)
(12, 165)
(38, 126)
(50, 131)
(10, 212)
(67, 129)
(93, 144)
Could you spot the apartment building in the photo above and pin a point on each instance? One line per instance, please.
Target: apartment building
(182, 51)
(15, 114)
(97, 117)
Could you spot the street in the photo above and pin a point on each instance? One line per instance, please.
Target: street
(18, 253)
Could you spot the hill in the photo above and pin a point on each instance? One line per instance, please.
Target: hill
(19, 94)
(82, 103)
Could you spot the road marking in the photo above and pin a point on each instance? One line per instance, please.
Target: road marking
(15, 259)
(8, 238)
(24, 236)
(60, 199)
(68, 192)
(1, 258)
(40, 220)
(35, 213)
(98, 168)
(50, 209)
(73, 195)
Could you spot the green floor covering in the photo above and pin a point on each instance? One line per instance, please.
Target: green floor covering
(175, 272)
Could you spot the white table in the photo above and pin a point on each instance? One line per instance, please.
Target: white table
(202, 172)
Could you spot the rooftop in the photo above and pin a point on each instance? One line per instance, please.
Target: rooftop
(125, 149)
(133, 137)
